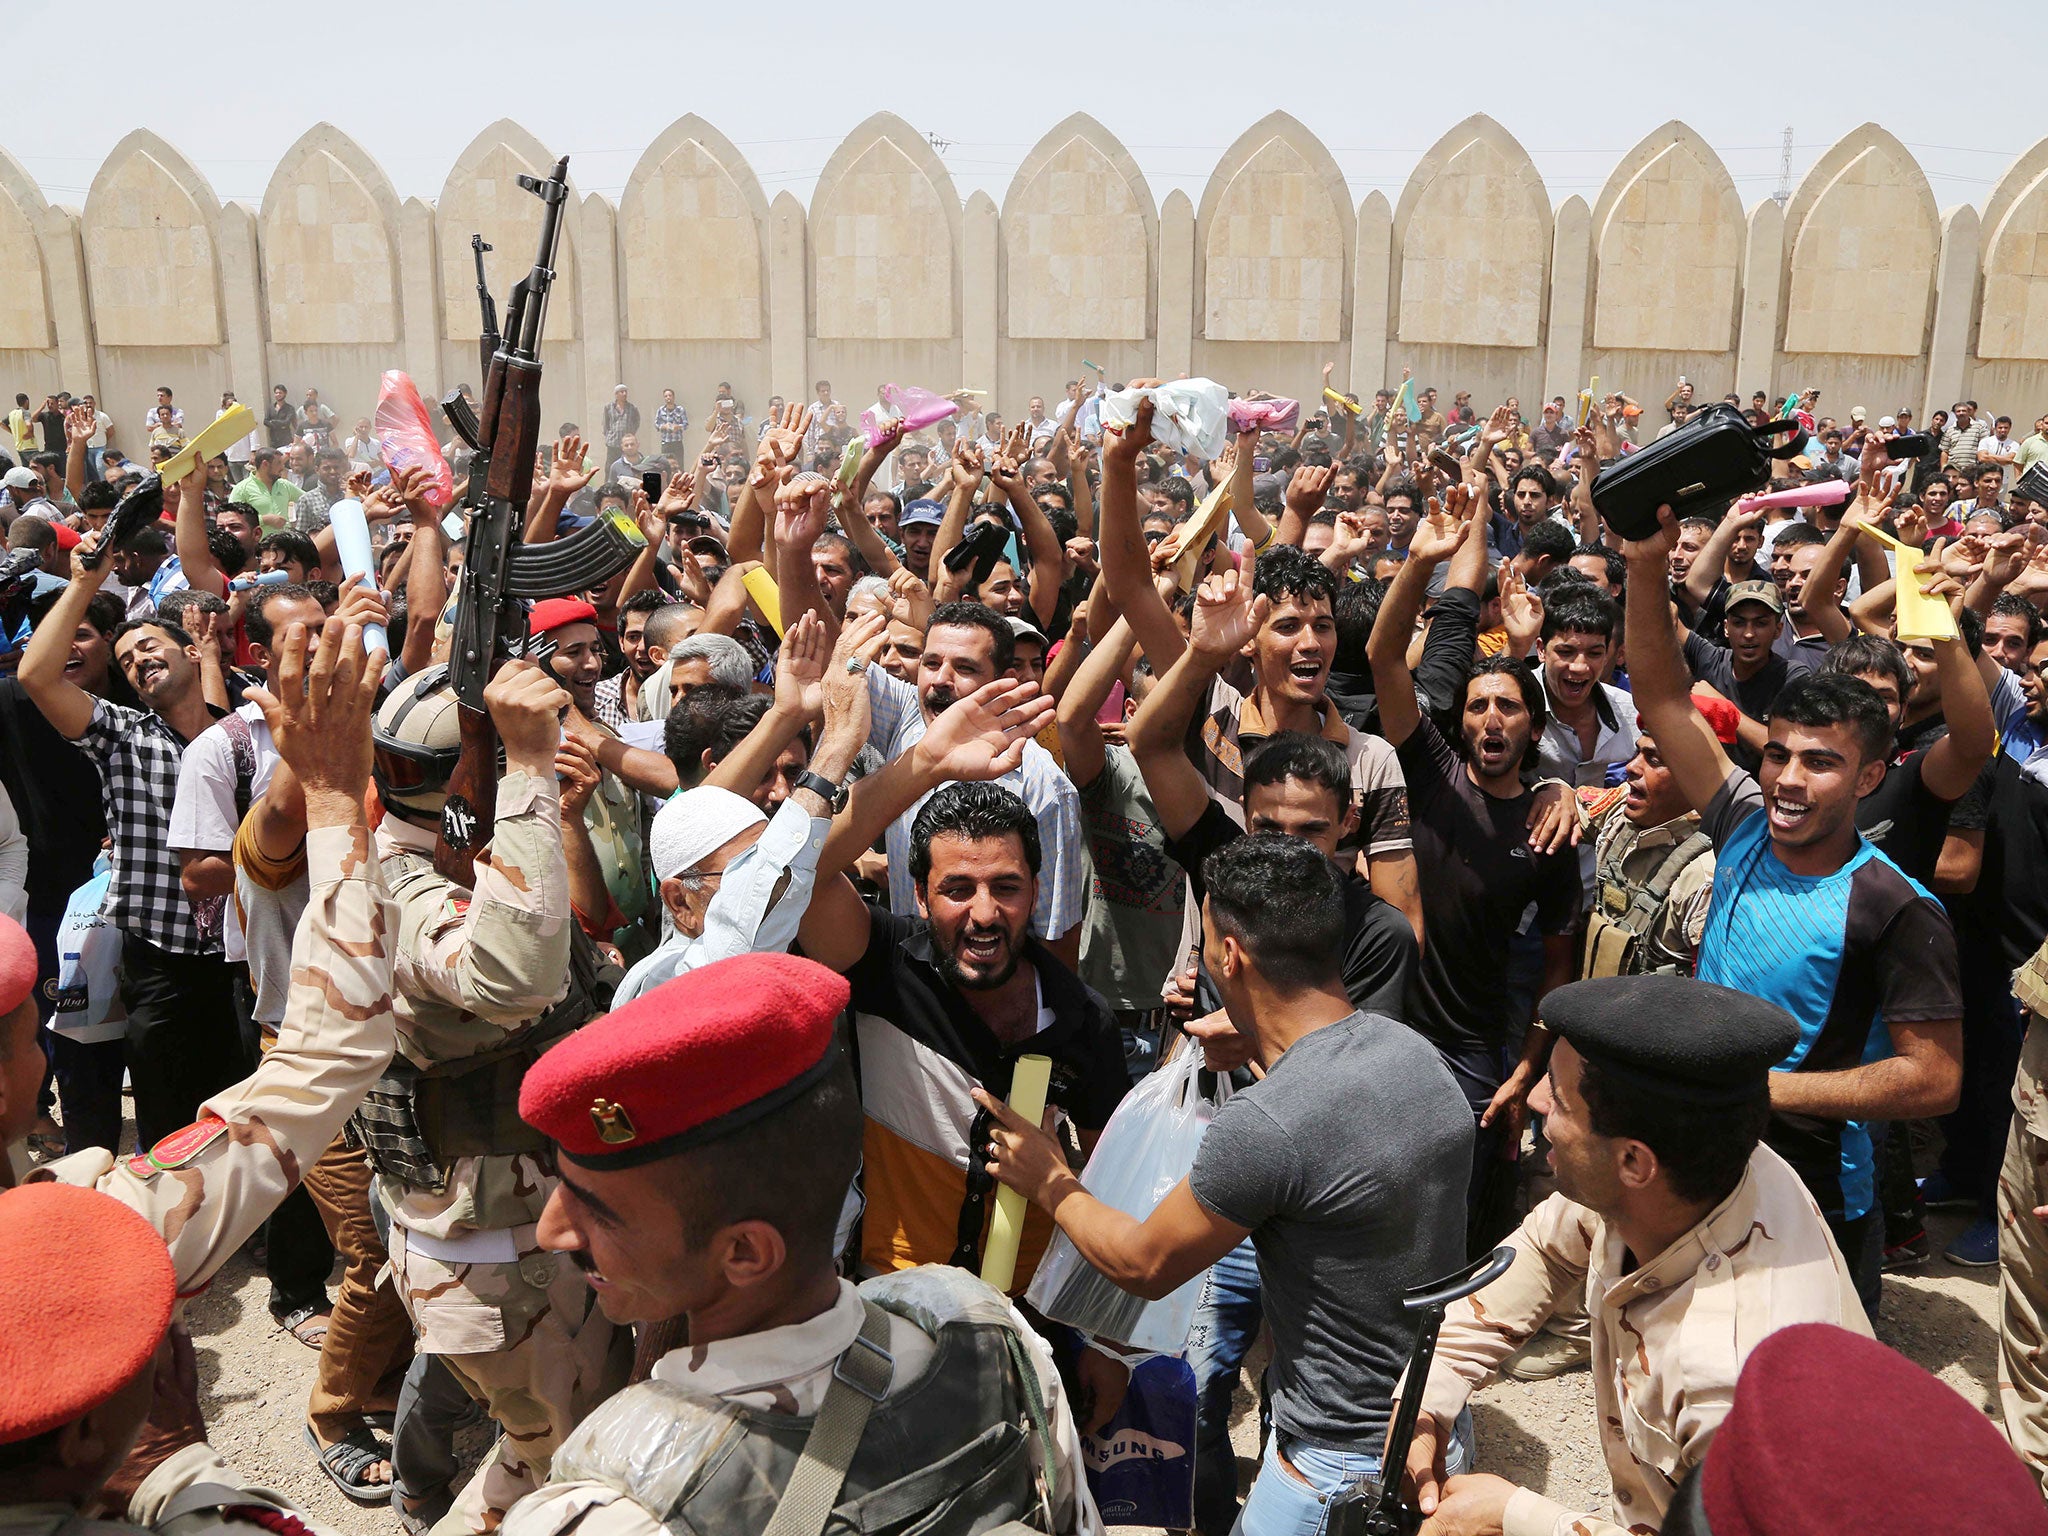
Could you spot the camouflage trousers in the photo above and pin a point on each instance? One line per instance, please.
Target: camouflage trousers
(2023, 1296)
(527, 1339)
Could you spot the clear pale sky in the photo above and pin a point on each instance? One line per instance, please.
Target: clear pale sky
(414, 82)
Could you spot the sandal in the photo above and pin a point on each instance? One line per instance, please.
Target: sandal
(307, 1324)
(347, 1463)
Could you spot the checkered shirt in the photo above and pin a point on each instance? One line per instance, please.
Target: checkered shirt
(138, 755)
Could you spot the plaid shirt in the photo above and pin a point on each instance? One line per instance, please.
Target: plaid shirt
(138, 756)
(607, 708)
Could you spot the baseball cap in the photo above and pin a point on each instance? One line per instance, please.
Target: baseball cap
(923, 510)
(1856, 413)
(22, 478)
(1024, 629)
(1765, 592)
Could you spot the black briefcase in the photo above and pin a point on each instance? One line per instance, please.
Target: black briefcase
(1696, 471)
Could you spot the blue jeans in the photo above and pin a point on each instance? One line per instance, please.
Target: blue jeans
(1282, 1504)
(1227, 1320)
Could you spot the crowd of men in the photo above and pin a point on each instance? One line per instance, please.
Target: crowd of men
(1670, 910)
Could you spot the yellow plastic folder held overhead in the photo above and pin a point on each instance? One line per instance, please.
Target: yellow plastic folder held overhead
(1342, 403)
(1029, 1080)
(1920, 617)
(766, 595)
(1197, 531)
(226, 429)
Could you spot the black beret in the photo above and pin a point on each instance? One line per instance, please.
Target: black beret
(1690, 1039)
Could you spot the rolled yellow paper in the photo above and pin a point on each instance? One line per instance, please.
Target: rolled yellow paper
(766, 595)
(1029, 1080)
(217, 436)
(1341, 402)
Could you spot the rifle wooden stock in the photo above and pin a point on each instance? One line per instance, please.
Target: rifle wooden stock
(473, 784)
(516, 438)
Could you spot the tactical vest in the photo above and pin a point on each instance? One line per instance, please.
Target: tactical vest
(415, 1121)
(946, 1454)
(1617, 932)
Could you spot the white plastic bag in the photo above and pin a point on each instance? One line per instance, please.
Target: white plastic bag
(88, 1005)
(1148, 1147)
(1188, 415)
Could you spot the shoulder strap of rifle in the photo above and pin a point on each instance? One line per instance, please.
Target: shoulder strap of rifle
(860, 1380)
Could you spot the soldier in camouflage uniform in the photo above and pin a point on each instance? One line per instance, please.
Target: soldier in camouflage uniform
(206, 1189)
(482, 975)
(2023, 1236)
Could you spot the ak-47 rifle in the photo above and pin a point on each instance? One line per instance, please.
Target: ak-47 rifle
(1376, 1506)
(499, 573)
(487, 344)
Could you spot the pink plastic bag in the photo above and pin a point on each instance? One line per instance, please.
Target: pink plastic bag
(407, 433)
(1267, 415)
(906, 403)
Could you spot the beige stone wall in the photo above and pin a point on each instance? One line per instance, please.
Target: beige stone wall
(1473, 277)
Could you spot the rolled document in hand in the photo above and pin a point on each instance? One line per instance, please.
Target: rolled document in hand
(1826, 494)
(1029, 1080)
(352, 544)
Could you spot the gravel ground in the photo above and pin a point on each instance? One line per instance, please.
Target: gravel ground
(255, 1379)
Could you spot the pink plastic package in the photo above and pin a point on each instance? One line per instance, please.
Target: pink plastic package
(908, 404)
(407, 433)
(1271, 415)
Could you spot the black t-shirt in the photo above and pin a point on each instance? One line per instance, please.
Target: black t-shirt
(56, 793)
(2010, 903)
(1379, 944)
(1907, 819)
(52, 423)
(1480, 876)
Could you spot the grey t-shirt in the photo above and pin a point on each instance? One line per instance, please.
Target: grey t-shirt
(1348, 1162)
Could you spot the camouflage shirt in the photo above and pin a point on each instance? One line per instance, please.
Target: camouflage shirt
(474, 966)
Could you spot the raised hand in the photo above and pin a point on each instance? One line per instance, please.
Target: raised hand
(1440, 532)
(359, 484)
(567, 474)
(800, 667)
(319, 717)
(578, 772)
(1227, 615)
(910, 598)
(1911, 526)
(844, 684)
(1497, 428)
(801, 507)
(982, 735)
(1305, 488)
(1126, 443)
(79, 424)
(969, 464)
(1521, 610)
(679, 495)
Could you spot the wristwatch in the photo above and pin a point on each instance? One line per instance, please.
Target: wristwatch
(834, 795)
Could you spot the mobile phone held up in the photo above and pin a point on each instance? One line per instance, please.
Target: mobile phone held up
(650, 482)
(1909, 445)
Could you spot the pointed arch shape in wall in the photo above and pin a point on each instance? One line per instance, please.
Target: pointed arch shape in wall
(1274, 239)
(328, 235)
(2013, 309)
(1668, 235)
(1862, 235)
(1078, 228)
(482, 196)
(692, 243)
(151, 229)
(25, 309)
(885, 231)
(1472, 236)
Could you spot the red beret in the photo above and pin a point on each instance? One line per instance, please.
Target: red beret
(86, 1288)
(693, 1060)
(18, 967)
(554, 612)
(67, 536)
(1831, 1431)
